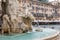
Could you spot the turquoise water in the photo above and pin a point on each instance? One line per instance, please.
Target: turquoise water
(29, 36)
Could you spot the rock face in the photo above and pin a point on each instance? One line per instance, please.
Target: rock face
(28, 22)
(12, 22)
(5, 25)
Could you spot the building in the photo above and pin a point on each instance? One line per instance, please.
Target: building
(58, 1)
(44, 10)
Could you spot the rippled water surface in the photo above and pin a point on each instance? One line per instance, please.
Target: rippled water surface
(29, 36)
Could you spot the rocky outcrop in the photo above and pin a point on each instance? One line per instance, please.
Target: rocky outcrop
(12, 22)
(6, 25)
(28, 21)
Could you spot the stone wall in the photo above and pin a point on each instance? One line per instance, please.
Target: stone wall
(54, 38)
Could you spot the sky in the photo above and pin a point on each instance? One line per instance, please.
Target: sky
(51, 0)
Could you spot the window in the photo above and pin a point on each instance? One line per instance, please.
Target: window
(53, 9)
(37, 8)
(32, 7)
(44, 10)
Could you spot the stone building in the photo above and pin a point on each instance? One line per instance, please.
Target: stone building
(44, 10)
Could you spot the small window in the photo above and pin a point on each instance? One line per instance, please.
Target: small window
(32, 7)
